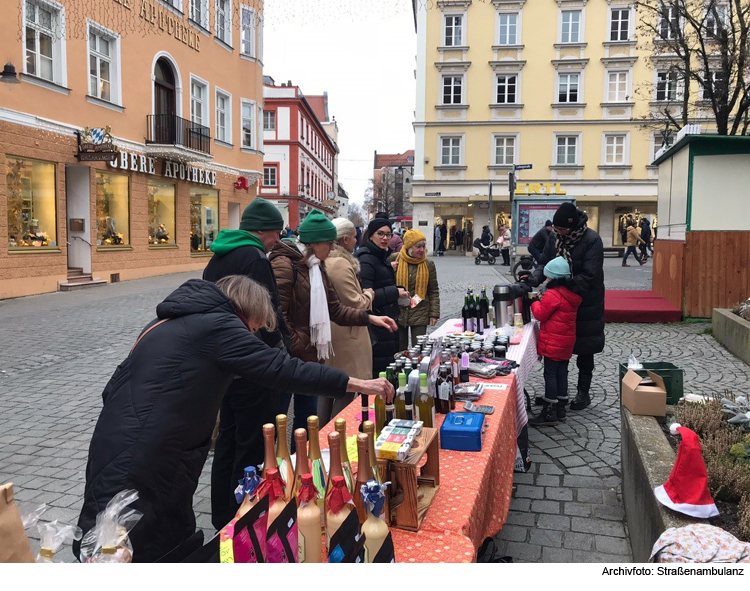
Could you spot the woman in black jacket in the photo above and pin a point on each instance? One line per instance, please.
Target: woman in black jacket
(160, 405)
(378, 274)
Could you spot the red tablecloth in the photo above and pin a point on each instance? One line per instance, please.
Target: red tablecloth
(475, 487)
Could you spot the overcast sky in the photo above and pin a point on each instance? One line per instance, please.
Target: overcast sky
(362, 53)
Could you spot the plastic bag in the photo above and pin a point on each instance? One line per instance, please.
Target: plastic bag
(29, 517)
(53, 535)
(108, 540)
(633, 363)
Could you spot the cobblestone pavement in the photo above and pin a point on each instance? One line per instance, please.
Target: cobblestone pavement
(60, 349)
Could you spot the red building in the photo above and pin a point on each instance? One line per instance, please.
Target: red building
(299, 161)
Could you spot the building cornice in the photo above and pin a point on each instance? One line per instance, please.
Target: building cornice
(507, 64)
(616, 61)
(452, 4)
(448, 65)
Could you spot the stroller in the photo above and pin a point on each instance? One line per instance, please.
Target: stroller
(486, 253)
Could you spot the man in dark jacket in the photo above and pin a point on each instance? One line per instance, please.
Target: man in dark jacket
(240, 440)
(487, 237)
(160, 406)
(583, 249)
(539, 241)
(646, 237)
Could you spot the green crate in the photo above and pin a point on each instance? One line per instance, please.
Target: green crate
(671, 374)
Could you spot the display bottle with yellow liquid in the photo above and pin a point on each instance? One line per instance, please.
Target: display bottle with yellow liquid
(380, 409)
(425, 404)
(400, 401)
(283, 459)
(346, 465)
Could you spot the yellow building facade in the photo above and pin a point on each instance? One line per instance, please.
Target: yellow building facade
(551, 83)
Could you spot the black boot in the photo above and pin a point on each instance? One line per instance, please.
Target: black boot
(538, 400)
(562, 415)
(547, 417)
(583, 399)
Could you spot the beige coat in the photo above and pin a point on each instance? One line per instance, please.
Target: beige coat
(634, 238)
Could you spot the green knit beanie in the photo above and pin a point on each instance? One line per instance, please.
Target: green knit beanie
(261, 215)
(316, 227)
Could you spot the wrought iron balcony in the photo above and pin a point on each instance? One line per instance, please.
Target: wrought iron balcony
(171, 130)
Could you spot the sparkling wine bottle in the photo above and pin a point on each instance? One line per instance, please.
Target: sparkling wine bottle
(369, 428)
(269, 459)
(338, 506)
(283, 459)
(273, 487)
(335, 466)
(309, 541)
(364, 473)
(340, 426)
(316, 460)
(246, 492)
(374, 528)
(302, 465)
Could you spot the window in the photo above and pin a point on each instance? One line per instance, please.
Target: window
(112, 209)
(450, 151)
(43, 35)
(103, 63)
(198, 102)
(506, 89)
(614, 149)
(505, 148)
(508, 29)
(567, 88)
(199, 12)
(204, 218)
(269, 176)
(619, 24)
(716, 19)
(717, 82)
(224, 20)
(617, 87)
(247, 32)
(567, 146)
(452, 90)
(32, 208)
(453, 30)
(269, 120)
(667, 86)
(223, 117)
(571, 26)
(248, 125)
(260, 38)
(669, 23)
(162, 214)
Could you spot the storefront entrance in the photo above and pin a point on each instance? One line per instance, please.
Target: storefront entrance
(78, 217)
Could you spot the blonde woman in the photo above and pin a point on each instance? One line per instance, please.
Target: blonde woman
(351, 344)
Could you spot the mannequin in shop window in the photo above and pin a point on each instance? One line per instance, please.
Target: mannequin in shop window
(111, 237)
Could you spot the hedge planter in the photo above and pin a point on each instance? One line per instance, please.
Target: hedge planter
(733, 332)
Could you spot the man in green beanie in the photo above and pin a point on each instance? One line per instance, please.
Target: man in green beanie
(246, 406)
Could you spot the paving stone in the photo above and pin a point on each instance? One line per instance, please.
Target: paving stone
(547, 480)
(578, 541)
(529, 492)
(557, 555)
(513, 533)
(518, 518)
(583, 471)
(523, 478)
(577, 509)
(546, 537)
(586, 481)
(571, 461)
(597, 526)
(550, 469)
(558, 494)
(597, 557)
(517, 504)
(552, 507)
(611, 545)
(557, 522)
(610, 512)
(523, 552)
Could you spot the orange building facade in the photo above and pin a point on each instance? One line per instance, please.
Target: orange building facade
(130, 136)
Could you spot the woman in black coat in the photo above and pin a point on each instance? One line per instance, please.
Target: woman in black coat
(378, 274)
(160, 405)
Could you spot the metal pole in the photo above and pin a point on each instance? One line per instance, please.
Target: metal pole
(512, 193)
(492, 213)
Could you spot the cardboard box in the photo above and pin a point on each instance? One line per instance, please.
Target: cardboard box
(642, 399)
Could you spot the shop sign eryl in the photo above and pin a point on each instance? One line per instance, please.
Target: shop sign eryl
(172, 170)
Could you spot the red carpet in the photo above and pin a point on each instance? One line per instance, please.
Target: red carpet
(638, 306)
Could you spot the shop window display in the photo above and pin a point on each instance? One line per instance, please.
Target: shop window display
(161, 213)
(112, 209)
(621, 221)
(204, 218)
(592, 211)
(32, 215)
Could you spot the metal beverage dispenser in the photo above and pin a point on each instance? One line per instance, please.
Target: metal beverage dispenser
(502, 298)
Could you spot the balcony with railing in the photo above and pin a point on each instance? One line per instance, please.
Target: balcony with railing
(174, 137)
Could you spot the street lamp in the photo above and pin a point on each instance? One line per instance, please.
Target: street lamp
(8, 75)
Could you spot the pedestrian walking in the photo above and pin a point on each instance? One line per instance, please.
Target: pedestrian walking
(443, 236)
(539, 241)
(352, 350)
(418, 275)
(310, 302)
(378, 274)
(436, 248)
(504, 242)
(633, 240)
(556, 312)
(646, 237)
(247, 405)
(160, 405)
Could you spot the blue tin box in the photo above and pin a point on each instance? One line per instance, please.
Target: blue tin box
(462, 431)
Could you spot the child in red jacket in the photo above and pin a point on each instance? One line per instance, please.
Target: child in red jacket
(556, 312)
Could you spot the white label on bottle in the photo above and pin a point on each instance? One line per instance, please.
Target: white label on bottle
(444, 391)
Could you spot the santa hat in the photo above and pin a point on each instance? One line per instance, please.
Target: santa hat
(686, 490)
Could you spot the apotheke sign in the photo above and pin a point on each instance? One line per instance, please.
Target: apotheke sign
(172, 170)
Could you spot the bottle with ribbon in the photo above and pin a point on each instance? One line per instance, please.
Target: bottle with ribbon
(246, 491)
(302, 464)
(374, 528)
(346, 465)
(338, 504)
(316, 459)
(273, 488)
(309, 541)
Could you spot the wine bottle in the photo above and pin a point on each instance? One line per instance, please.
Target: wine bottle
(380, 410)
(374, 528)
(400, 401)
(364, 473)
(473, 312)
(309, 542)
(338, 506)
(316, 460)
(463, 372)
(365, 398)
(340, 426)
(273, 488)
(454, 365)
(269, 459)
(465, 314)
(425, 405)
(302, 465)
(412, 388)
(369, 428)
(283, 459)
(452, 395)
(443, 391)
(390, 375)
(335, 466)
(484, 305)
(246, 492)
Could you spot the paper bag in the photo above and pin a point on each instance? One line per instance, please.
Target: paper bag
(15, 545)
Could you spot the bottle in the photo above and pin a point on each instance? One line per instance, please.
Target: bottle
(452, 396)
(425, 404)
(365, 401)
(335, 466)
(463, 372)
(369, 428)
(273, 487)
(473, 311)
(316, 460)
(380, 410)
(283, 459)
(364, 473)
(466, 314)
(346, 465)
(302, 465)
(400, 400)
(443, 391)
(454, 365)
(269, 459)
(390, 409)
(309, 542)
(246, 492)
(410, 393)
(484, 306)
(338, 506)
(374, 528)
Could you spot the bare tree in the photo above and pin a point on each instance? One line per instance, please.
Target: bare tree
(701, 53)
(357, 214)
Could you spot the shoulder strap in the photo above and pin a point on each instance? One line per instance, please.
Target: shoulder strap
(145, 332)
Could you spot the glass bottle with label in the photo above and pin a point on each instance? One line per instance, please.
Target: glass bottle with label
(425, 405)
(380, 409)
(369, 428)
(346, 465)
(302, 465)
(338, 506)
(316, 460)
(374, 528)
(283, 458)
(400, 400)
(273, 487)
(309, 541)
(443, 388)
(364, 473)
(246, 492)
(269, 443)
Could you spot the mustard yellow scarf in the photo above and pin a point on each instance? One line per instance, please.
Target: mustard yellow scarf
(423, 273)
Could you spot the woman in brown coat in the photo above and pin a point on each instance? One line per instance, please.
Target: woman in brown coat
(351, 344)
(633, 240)
(309, 302)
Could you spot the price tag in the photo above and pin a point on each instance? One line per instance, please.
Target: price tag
(495, 386)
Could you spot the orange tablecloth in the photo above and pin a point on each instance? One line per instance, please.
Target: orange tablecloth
(475, 487)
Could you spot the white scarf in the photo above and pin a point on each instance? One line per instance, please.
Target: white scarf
(320, 321)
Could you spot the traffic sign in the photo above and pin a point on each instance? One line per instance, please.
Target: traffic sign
(522, 166)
